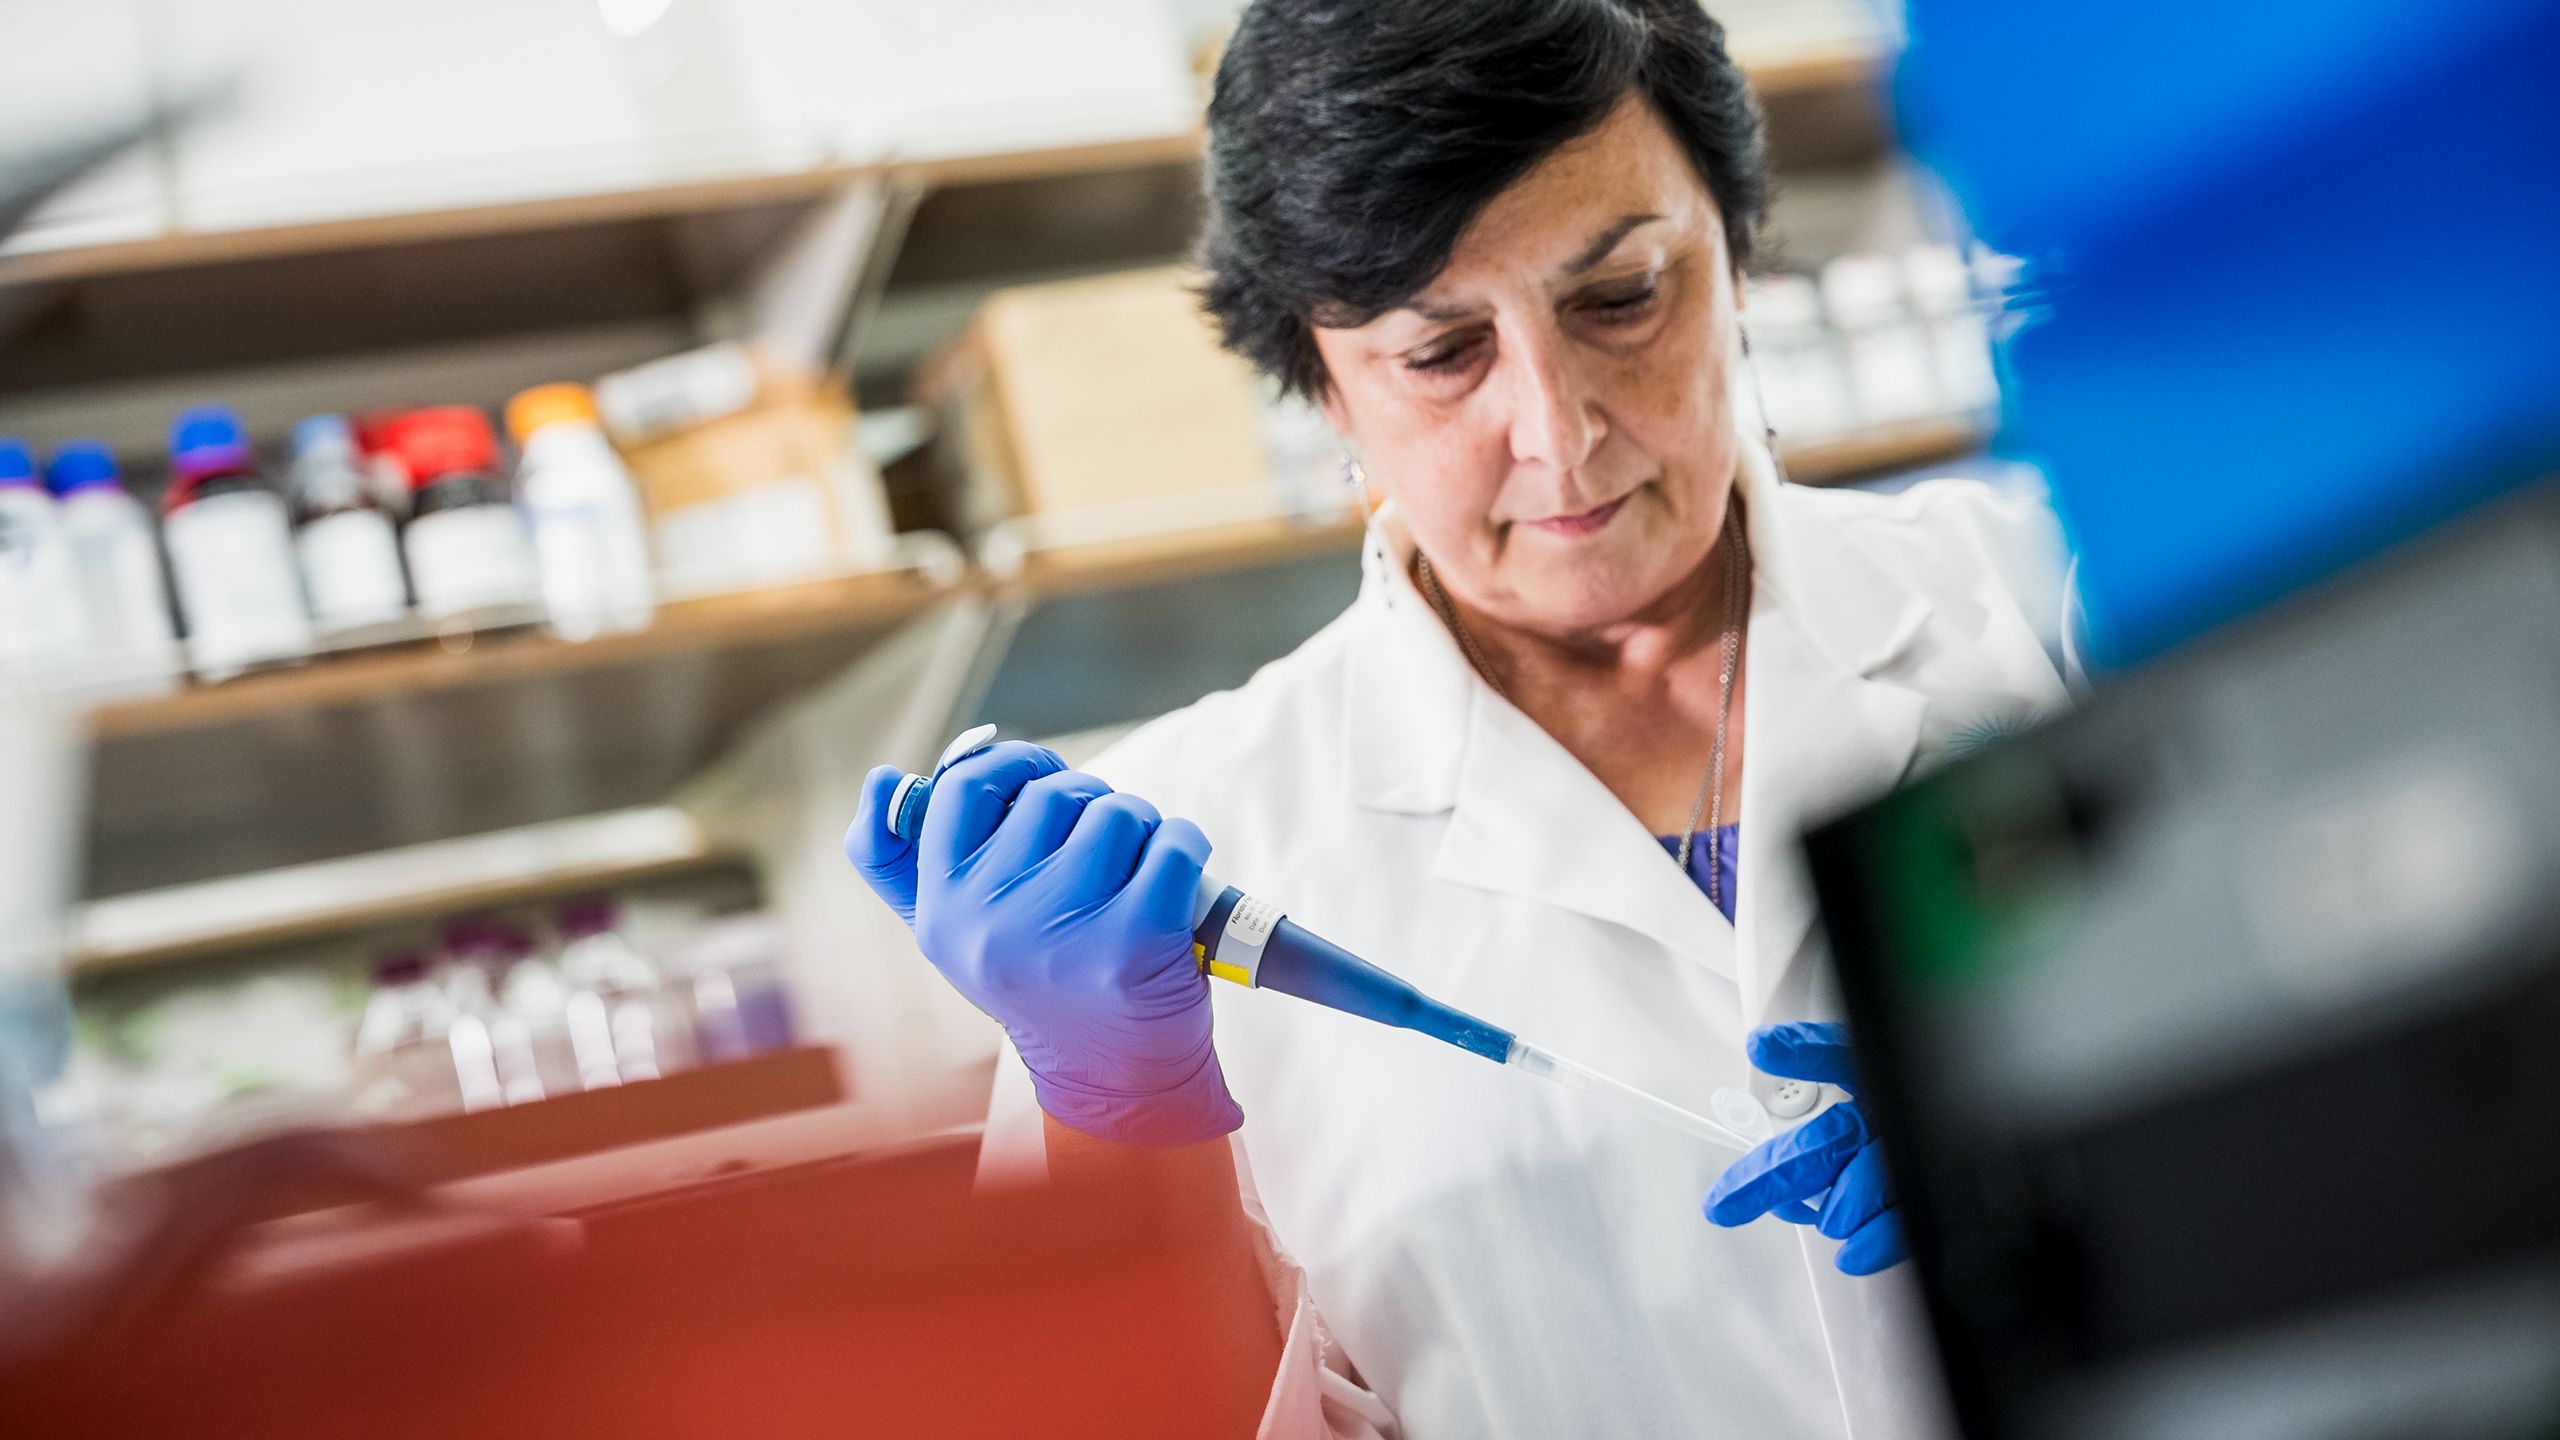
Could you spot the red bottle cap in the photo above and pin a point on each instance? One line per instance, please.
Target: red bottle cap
(442, 440)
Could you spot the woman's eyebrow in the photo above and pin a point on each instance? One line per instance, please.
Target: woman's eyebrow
(1440, 312)
(1607, 241)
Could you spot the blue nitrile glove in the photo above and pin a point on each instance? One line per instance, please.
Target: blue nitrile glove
(1063, 910)
(887, 861)
(1831, 1152)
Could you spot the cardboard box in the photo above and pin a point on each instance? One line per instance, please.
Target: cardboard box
(761, 482)
(1106, 403)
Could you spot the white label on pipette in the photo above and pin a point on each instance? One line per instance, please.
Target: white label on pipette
(1248, 928)
(1252, 921)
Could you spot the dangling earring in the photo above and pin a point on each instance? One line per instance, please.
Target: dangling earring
(1760, 400)
(1355, 475)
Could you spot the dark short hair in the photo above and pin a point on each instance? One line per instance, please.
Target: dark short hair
(1351, 142)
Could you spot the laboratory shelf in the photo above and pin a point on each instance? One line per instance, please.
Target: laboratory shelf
(470, 734)
(272, 909)
(179, 248)
(369, 752)
(1822, 107)
(1172, 555)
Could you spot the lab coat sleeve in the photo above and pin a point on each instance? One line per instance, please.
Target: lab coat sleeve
(1316, 1395)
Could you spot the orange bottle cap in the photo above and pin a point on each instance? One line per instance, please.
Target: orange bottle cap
(549, 405)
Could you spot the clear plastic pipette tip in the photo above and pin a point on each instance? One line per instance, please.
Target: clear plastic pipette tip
(1549, 1065)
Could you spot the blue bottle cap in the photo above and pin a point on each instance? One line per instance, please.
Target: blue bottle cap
(17, 465)
(79, 464)
(204, 427)
(207, 440)
(324, 434)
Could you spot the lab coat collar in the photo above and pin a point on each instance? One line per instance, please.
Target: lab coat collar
(1425, 735)
(1823, 728)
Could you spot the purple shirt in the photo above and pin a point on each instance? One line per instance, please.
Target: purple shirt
(1729, 842)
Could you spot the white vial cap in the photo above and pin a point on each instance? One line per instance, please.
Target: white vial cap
(1862, 291)
(1939, 280)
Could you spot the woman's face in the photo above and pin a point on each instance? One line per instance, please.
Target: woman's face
(1551, 412)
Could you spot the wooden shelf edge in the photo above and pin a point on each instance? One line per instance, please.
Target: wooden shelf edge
(1180, 554)
(1856, 71)
(423, 902)
(181, 248)
(712, 622)
(1882, 450)
(1094, 157)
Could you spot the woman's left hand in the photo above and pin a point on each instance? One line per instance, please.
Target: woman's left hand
(1833, 1152)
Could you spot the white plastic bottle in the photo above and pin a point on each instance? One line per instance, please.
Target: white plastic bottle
(588, 530)
(43, 639)
(349, 548)
(230, 544)
(133, 640)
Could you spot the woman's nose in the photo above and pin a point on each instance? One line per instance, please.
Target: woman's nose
(1553, 420)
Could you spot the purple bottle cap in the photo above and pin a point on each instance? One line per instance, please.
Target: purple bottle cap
(472, 934)
(587, 915)
(400, 967)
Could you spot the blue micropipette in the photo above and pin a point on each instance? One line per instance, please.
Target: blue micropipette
(1247, 941)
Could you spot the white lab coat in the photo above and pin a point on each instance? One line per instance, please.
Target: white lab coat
(1460, 1250)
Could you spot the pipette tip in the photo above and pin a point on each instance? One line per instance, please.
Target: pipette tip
(1546, 1064)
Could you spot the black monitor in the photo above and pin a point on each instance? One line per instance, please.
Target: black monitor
(2213, 1032)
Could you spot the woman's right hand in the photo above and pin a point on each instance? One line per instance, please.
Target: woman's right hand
(1063, 909)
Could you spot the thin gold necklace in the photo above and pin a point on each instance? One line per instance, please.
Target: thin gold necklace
(1737, 601)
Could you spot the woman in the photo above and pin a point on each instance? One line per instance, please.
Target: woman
(1499, 244)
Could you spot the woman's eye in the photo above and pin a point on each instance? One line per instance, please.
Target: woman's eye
(1443, 357)
(1627, 303)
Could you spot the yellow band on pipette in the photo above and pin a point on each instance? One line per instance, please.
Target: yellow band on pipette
(1232, 974)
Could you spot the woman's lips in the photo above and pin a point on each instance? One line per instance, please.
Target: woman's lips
(1585, 523)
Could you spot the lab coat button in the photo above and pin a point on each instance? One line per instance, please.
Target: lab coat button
(1786, 1099)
